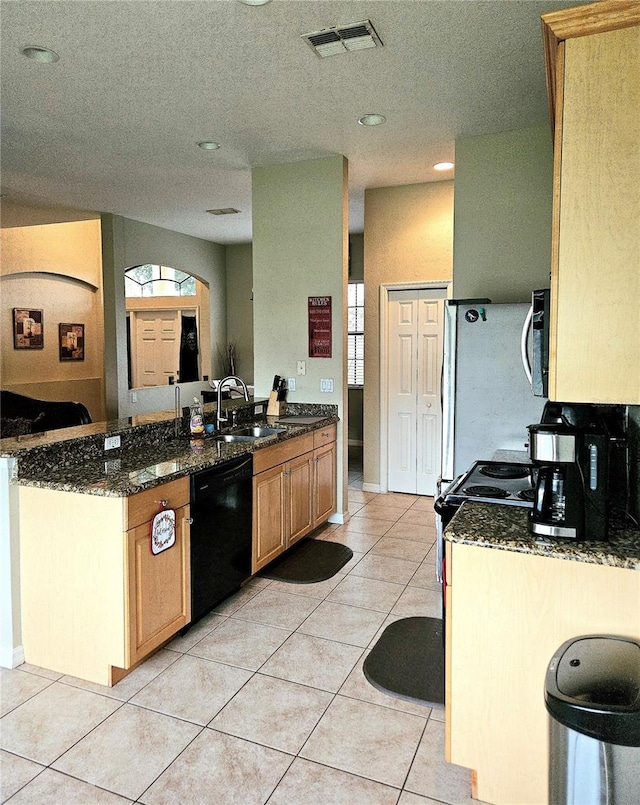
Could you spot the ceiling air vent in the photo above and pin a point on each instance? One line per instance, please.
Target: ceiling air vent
(224, 211)
(343, 38)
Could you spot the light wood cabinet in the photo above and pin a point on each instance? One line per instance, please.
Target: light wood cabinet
(159, 593)
(324, 483)
(294, 491)
(95, 600)
(593, 76)
(506, 615)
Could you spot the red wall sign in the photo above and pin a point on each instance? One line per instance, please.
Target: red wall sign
(319, 326)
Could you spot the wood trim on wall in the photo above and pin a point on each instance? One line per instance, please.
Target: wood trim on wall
(593, 18)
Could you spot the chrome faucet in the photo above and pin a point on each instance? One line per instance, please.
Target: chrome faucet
(178, 412)
(240, 381)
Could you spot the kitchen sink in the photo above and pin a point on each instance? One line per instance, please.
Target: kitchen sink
(249, 434)
(259, 431)
(235, 437)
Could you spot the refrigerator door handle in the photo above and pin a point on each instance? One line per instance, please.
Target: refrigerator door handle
(524, 352)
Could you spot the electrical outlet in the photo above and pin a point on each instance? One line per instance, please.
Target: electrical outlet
(291, 384)
(326, 384)
(301, 368)
(111, 442)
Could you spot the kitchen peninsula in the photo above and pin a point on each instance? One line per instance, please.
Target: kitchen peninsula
(95, 599)
(511, 601)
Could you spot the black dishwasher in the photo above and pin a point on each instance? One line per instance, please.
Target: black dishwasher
(221, 507)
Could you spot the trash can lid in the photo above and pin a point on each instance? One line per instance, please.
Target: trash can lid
(593, 686)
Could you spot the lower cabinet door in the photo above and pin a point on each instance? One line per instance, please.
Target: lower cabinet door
(159, 587)
(324, 483)
(269, 519)
(299, 472)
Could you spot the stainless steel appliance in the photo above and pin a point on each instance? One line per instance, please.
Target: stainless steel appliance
(572, 489)
(486, 399)
(536, 328)
(509, 483)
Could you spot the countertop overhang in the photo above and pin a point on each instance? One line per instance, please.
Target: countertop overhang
(501, 527)
(143, 464)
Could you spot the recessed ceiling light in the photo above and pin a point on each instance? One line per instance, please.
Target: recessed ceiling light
(254, 2)
(443, 166)
(37, 53)
(372, 120)
(224, 211)
(208, 145)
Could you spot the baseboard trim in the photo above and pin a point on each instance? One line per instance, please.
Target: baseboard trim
(337, 518)
(11, 658)
(371, 487)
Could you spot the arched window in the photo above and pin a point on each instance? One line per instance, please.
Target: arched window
(152, 280)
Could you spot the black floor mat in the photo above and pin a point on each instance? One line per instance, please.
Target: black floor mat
(408, 660)
(311, 561)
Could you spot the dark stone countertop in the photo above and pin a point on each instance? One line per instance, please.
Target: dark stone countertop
(494, 525)
(147, 458)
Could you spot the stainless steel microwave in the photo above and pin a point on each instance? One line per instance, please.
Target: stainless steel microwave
(536, 367)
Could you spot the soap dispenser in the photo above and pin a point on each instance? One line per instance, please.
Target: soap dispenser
(196, 418)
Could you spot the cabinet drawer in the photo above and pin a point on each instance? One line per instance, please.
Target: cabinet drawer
(279, 453)
(145, 505)
(324, 435)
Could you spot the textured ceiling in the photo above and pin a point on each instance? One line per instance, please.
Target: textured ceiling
(112, 126)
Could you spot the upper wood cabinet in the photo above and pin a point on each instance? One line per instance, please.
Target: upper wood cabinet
(593, 75)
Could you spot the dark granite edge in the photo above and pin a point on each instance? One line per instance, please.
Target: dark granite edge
(502, 527)
(187, 455)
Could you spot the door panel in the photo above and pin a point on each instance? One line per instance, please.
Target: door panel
(156, 347)
(414, 341)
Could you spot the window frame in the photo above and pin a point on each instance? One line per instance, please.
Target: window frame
(357, 334)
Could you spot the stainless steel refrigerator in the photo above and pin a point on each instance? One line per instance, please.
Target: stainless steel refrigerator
(487, 401)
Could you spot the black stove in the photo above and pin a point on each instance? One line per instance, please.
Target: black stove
(511, 484)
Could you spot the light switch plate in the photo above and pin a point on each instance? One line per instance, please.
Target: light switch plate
(326, 384)
(291, 384)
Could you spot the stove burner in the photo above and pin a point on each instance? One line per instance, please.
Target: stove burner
(528, 495)
(504, 471)
(480, 491)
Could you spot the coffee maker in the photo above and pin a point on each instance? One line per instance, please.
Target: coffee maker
(570, 449)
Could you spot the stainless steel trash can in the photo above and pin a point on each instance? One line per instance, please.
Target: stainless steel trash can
(592, 694)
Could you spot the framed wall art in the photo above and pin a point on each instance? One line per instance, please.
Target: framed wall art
(71, 342)
(28, 330)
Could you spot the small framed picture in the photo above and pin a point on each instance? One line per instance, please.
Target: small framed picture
(71, 342)
(27, 329)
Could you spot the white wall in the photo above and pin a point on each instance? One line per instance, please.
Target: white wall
(300, 250)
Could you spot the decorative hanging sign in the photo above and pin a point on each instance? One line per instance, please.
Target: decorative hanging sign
(163, 531)
(319, 326)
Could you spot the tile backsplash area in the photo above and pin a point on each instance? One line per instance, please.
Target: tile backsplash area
(633, 434)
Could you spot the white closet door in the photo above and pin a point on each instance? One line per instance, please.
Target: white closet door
(403, 376)
(414, 406)
(428, 403)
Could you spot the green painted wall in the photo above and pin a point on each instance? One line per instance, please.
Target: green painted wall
(300, 250)
(502, 214)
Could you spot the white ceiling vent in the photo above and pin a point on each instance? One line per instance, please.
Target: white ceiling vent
(224, 211)
(342, 38)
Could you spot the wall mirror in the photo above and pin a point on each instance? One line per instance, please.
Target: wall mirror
(168, 332)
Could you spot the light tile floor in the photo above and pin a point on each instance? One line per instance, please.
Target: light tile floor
(264, 701)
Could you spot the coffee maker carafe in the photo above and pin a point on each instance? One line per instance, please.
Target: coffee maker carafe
(572, 460)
